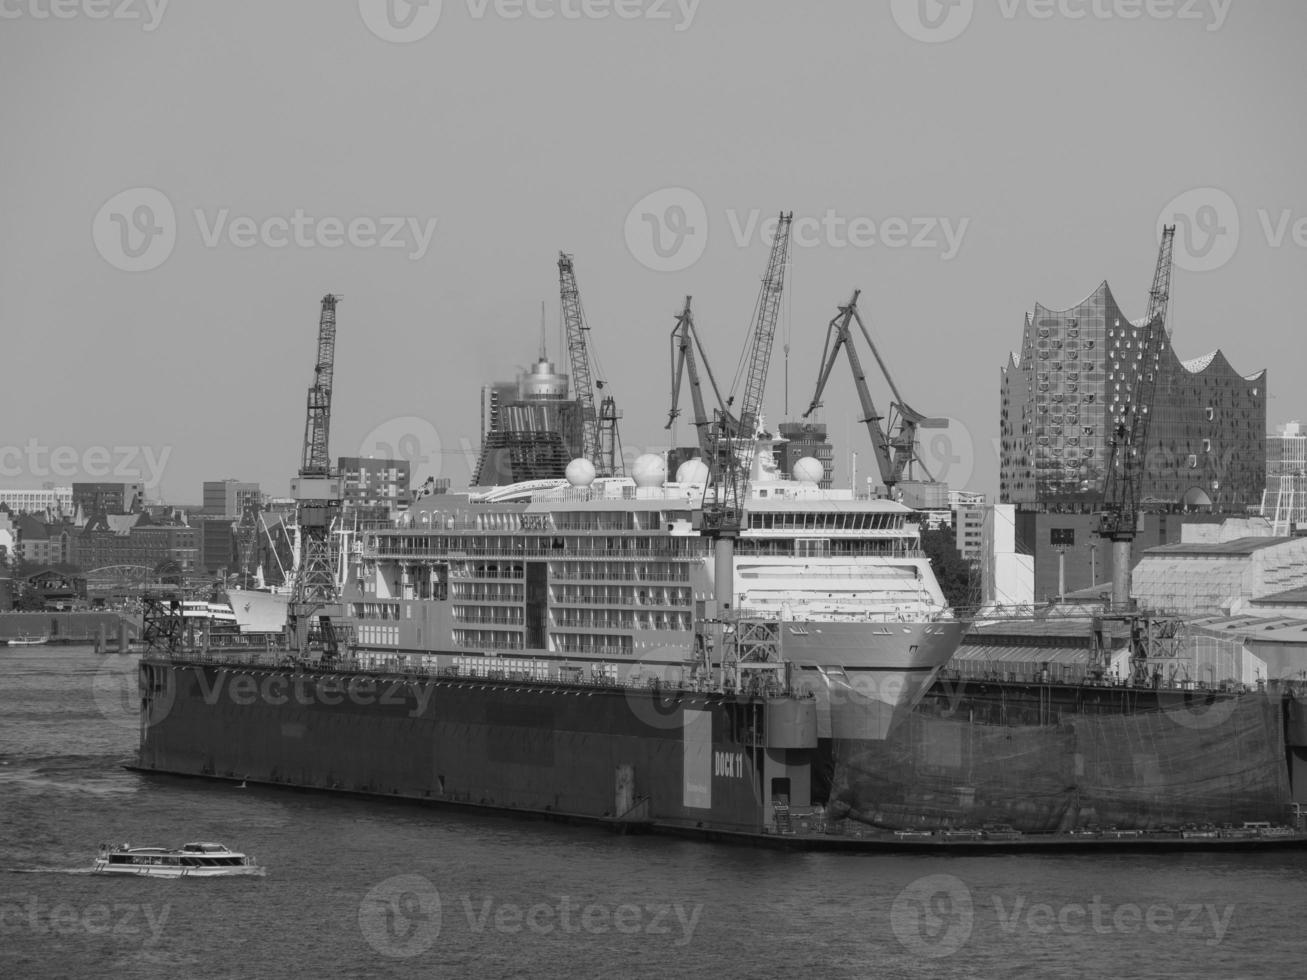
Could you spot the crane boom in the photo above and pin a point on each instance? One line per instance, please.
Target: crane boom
(317, 422)
(318, 500)
(895, 444)
(1123, 483)
(685, 341)
(598, 430)
(764, 329)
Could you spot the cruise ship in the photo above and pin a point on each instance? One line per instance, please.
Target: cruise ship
(614, 580)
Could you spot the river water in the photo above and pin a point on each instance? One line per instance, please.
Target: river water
(359, 888)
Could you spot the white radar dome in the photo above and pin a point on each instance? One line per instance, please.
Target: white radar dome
(649, 470)
(692, 471)
(809, 470)
(580, 472)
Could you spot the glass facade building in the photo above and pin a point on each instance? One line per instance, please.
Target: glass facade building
(1065, 391)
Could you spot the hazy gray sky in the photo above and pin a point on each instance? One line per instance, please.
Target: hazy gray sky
(958, 162)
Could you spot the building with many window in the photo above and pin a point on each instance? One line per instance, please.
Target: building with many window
(48, 499)
(107, 498)
(1063, 395)
(380, 485)
(1066, 390)
(1285, 500)
(229, 498)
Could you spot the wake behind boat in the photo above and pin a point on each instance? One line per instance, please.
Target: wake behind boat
(196, 860)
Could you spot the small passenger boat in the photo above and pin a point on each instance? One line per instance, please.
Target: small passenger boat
(28, 641)
(196, 860)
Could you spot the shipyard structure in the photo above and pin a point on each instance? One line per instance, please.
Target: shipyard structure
(1062, 395)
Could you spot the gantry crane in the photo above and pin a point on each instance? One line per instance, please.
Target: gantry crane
(894, 444)
(685, 341)
(599, 438)
(318, 496)
(1118, 521)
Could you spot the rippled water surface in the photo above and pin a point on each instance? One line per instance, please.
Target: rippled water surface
(361, 888)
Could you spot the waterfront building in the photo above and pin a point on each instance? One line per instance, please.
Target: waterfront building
(1284, 503)
(1063, 393)
(378, 485)
(530, 428)
(49, 499)
(107, 498)
(229, 498)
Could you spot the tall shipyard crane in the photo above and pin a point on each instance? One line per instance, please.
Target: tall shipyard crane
(599, 438)
(685, 341)
(318, 496)
(1118, 521)
(735, 444)
(895, 443)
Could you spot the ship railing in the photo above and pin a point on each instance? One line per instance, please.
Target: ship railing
(400, 666)
(522, 551)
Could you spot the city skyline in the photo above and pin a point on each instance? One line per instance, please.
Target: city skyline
(932, 172)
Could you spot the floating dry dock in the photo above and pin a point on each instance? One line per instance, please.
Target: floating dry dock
(741, 767)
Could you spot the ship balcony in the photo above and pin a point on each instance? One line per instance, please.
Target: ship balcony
(571, 551)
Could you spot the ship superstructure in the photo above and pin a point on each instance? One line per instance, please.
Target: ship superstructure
(614, 581)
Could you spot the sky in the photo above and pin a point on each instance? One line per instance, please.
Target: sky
(183, 182)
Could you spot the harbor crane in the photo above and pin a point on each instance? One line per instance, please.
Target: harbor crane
(895, 443)
(685, 341)
(318, 495)
(1118, 521)
(599, 437)
(734, 439)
